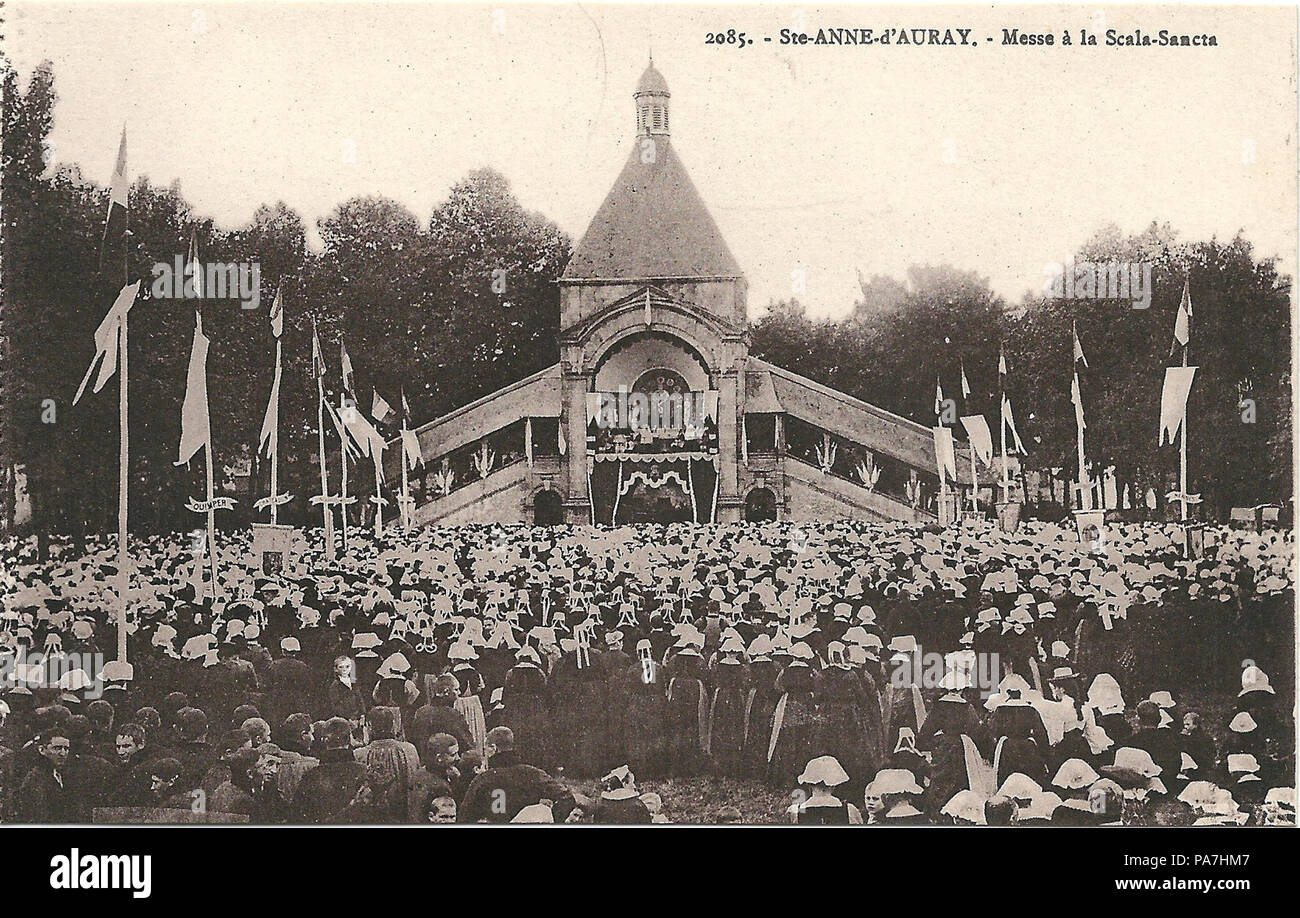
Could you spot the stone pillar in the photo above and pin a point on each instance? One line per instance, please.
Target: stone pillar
(573, 422)
(729, 408)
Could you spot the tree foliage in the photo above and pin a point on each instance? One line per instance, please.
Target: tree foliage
(902, 336)
(447, 311)
(455, 307)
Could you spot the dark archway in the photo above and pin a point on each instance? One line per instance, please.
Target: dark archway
(760, 506)
(548, 508)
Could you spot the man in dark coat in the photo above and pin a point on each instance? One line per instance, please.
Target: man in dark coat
(194, 752)
(509, 784)
(90, 774)
(578, 694)
(45, 794)
(290, 685)
(126, 788)
(328, 788)
(526, 701)
(100, 740)
(439, 715)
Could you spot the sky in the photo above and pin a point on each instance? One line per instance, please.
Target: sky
(817, 162)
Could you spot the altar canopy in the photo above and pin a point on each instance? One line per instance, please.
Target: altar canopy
(678, 488)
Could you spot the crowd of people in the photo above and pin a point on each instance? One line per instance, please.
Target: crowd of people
(876, 673)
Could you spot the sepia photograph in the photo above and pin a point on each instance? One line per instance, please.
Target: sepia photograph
(428, 413)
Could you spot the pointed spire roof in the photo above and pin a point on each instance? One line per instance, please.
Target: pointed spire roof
(653, 223)
(652, 81)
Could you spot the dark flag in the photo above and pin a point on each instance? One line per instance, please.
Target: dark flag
(1183, 324)
(194, 268)
(116, 224)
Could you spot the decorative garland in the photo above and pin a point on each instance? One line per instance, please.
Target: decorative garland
(649, 457)
(651, 481)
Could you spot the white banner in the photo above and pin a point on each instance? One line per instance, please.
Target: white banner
(217, 503)
(280, 500)
(1173, 400)
(981, 439)
(944, 457)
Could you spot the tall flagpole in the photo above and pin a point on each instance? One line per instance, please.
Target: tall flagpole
(1006, 480)
(943, 485)
(274, 444)
(123, 456)
(123, 452)
(1005, 484)
(345, 372)
(275, 436)
(1182, 438)
(343, 458)
(1085, 490)
(212, 525)
(376, 452)
(320, 428)
(324, 471)
(406, 486)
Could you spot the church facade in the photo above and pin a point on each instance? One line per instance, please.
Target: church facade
(656, 410)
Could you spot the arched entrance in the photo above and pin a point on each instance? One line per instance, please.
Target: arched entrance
(760, 506)
(548, 508)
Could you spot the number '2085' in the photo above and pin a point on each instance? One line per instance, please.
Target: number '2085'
(729, 37)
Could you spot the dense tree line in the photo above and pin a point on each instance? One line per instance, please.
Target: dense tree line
(901, 337)
(452, 308)
(447, 310)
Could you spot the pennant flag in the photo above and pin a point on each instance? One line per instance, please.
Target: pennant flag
(1010, 421)
(380, 410)
(406, 406)
(1077, 397)
(277, 314)
(1078, 348)
(362, 431)
(411, 449)
(377, 446)
(268, 441)
(193, 269)
(317, 358)
(117, 221)
(1173, 400)
(965, 386)
(1183, 324)
(945, 457)
(1002, 369)
(107, 340)
(347, 368)
(194, 412)
(981, 440)
(344, 438)
(938, 397)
